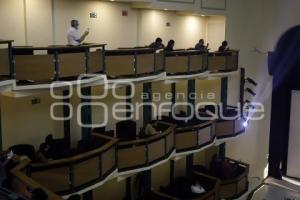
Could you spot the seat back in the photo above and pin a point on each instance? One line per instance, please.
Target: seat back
(24, 150)
(126, 130)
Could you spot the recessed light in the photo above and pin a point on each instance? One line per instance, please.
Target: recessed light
(202, 15)
(166, 9)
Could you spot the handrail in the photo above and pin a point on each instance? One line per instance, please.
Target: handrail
(130, 51)
(61, 47)
(28, 182)
(184, 52)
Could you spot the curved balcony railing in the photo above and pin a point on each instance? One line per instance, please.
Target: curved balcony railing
(6, 65)
(229, 123)
(223, 61)
(142, 153)
(133, 62)
(236, 184)
(185, 62)
(229, 128)
(175, 191)
(23, 184)
(69, 175)
(193, 134)
(52, 63)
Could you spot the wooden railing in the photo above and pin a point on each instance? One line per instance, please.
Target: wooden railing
(46, 64)
(128, 62)
(212, 194)
(234, 187)
(142, 153)
(22, 183)
(53, 63)
(193, 134)
(69, 175)
(185, 62)
(223, 61)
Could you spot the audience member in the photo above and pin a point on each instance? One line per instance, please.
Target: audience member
(47, 149)
(224, 47)
(157, 44)
(200, 46)
(170, 46)
(74, 37)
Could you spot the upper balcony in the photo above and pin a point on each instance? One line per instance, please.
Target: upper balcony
(37, 67)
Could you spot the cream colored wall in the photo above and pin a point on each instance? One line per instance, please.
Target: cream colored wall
(46, 22)
(24, 123)
(12, 21)
(185, 30)
(215, 31)
(110, 27)
(39, 22)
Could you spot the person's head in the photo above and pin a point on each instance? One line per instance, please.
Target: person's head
(201, 41)
(171, 43)
(224, 43)
(39, 194)
(75, 23)
(49, 139)
(158, 40)
(74, 197)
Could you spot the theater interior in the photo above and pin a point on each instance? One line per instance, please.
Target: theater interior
(149, 99)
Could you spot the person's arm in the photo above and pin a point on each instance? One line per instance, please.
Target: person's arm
(82, 38)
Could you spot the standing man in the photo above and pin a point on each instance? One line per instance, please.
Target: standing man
(74, 37)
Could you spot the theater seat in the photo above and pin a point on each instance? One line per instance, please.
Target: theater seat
(126, 130)
(24, 150)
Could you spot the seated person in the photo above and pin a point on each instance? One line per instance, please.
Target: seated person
(223, 47)
(200, 46)
(157, 44)
(150, 129)
(47, 150)
(170, 46)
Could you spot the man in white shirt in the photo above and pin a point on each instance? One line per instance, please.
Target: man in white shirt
(74, 37)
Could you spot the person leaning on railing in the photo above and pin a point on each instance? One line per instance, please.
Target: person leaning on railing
(200, 46)
(74, 37)
(157, 44)
(170, 46)
(224, 47)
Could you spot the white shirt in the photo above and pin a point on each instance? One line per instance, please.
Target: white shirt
(73, 37)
